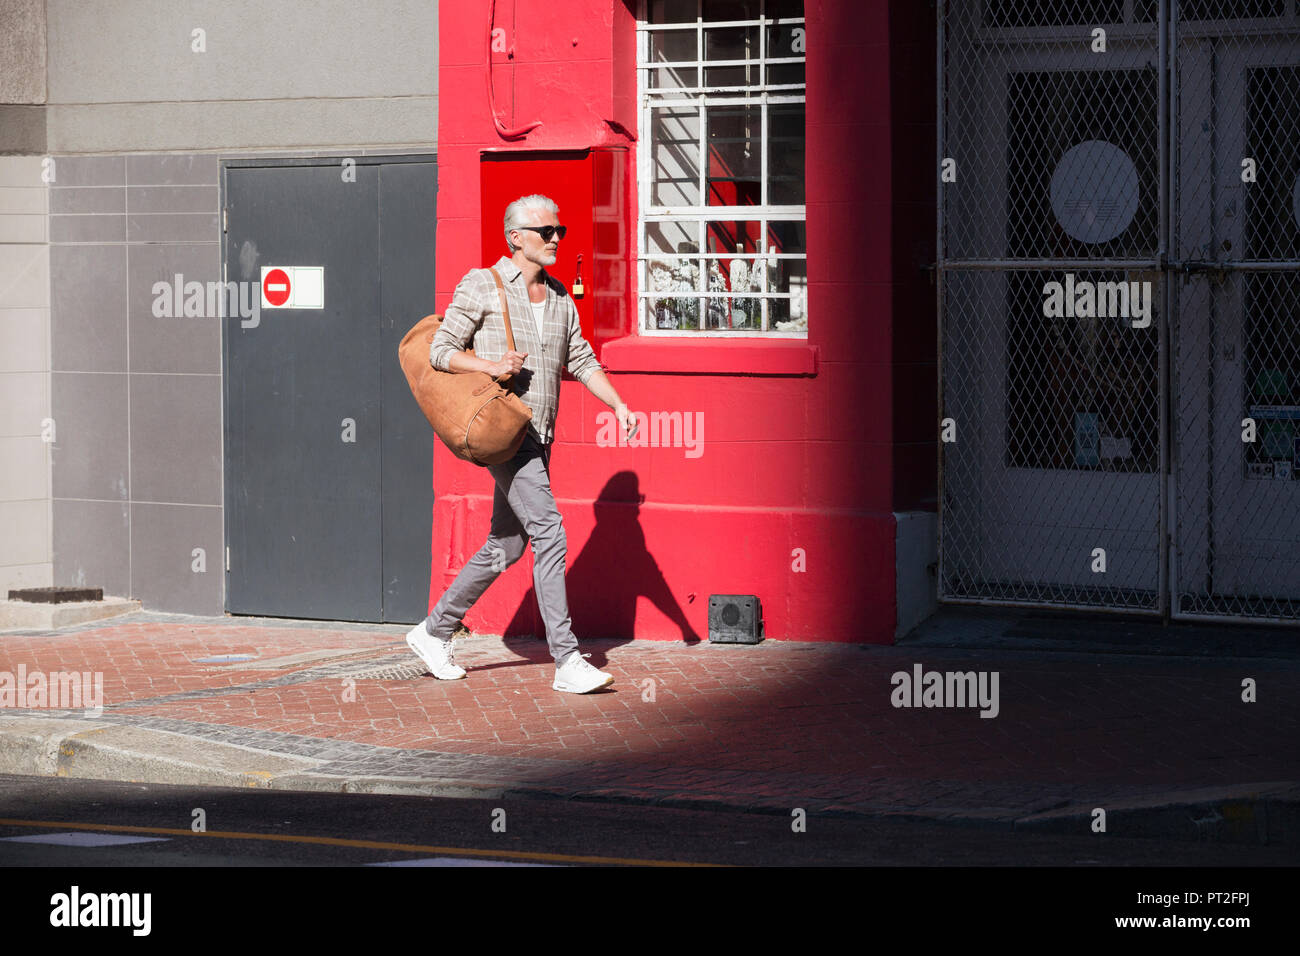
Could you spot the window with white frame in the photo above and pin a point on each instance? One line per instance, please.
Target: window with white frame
(721, 236)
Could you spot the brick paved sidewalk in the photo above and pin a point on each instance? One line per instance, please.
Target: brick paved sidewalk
(769, 727)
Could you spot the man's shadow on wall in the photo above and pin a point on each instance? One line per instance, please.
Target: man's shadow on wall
(606, 579)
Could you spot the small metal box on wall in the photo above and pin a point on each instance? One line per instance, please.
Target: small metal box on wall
(735, 619)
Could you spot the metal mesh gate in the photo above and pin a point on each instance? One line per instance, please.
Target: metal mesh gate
(1119, 299)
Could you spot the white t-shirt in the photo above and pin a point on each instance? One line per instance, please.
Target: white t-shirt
(539, 313)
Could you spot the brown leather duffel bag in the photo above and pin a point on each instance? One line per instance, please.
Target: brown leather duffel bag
(474, 415)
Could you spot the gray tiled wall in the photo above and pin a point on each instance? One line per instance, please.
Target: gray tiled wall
(136, 398)
(137, 465)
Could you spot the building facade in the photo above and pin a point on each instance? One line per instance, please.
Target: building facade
(168, 440)
(745, 181)
(984, 302)
(121, 125)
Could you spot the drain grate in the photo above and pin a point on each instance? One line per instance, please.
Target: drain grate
(398, 667)
(56, 595)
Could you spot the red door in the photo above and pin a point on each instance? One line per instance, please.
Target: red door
(587, 185)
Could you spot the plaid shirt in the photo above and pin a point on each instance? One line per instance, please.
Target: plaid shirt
(473, 320)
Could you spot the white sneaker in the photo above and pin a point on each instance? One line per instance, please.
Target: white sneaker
(576, 676)
(435, 652)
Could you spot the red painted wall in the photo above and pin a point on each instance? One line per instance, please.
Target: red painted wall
(801, 440)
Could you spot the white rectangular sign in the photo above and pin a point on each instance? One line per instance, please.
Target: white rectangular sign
(293, 287)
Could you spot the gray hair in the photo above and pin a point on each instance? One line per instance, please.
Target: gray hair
(515, 217)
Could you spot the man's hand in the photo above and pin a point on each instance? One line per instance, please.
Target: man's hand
(626, 420)
(510, 364)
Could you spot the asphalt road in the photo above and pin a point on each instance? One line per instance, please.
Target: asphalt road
(282, 828)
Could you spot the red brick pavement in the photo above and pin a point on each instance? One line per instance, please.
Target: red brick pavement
(816, 710)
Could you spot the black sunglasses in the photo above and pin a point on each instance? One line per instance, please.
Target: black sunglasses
(547, 231)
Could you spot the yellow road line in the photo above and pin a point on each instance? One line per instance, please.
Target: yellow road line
(359, 844)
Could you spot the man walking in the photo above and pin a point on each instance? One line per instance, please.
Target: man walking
(545, 325)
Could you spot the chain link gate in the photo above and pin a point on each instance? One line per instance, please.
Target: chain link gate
(1119, 304)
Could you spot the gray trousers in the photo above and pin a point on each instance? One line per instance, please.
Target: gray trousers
(522, 508)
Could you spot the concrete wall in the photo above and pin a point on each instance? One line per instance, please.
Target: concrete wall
(916, 557)
(25, 551)
(26, 558)
(22, 76)
(22, 51)
(127, 75)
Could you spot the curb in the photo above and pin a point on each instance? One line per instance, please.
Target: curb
(28, 616)
(1259, 814)
(94, 749)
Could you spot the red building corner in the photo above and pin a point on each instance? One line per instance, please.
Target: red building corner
(802, 461)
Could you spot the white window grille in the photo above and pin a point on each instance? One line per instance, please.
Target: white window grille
(721, 231)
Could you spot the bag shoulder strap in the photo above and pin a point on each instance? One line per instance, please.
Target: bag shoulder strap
(505, 309)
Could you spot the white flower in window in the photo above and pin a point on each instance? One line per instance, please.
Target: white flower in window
(739, 275)
(773, 266)
(717, 304)
(686, 275)
(740, 283)
(661, 277)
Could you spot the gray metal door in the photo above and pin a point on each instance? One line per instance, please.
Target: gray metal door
(1084, 435)
(328, 459)
(408, 219)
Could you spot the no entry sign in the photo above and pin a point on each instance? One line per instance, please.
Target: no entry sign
(275, 287)
(293, 287)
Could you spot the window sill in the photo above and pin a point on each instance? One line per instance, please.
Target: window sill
(710, 356)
